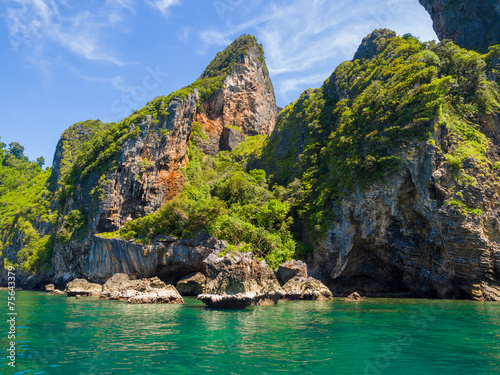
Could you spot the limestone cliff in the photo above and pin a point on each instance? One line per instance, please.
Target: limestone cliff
(166, 257)
(397, 181)
(108, 174)
(148, 166)
(471, 24)
(232, 99)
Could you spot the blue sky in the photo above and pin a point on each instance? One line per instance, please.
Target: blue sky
(67, 61)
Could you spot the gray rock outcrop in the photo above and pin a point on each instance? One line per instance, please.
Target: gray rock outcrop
(191, 285)
(238, 281)
(152, 290)
(292, 268)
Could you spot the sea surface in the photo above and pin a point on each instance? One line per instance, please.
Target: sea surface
(61, 335)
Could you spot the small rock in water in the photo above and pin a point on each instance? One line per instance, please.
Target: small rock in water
(353, 297)
(78, 296)
(51, 289)
(308, 288)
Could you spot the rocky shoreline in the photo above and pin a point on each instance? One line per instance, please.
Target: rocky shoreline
(233, 281)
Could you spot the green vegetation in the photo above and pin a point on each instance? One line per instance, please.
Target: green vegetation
(24, 210)
(463, 209)
(227, 202)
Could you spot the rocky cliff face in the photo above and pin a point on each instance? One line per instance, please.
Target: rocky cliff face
(233, 98)
(149, 166)
(100, 258)
(469, 23)
(147, 170)
(406, 206)
(244, 106)
(406, 236)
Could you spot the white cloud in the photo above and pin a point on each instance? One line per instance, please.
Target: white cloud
(303, 38)
(163, 5)
(291, 85)
(38, 27)
(118, 83)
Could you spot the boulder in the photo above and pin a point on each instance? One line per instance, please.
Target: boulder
(51, 289)
(237, 281)
(152, 290)
(191, 285)
(353, 297)
(289, 270)
(168, 294)
(308, 288)
(83, 288)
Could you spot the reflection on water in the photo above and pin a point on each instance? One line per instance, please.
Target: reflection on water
(60, 335)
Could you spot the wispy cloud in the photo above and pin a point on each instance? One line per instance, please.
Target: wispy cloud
(39, 27)
(292, 84)
(302, 38)
(162, 5)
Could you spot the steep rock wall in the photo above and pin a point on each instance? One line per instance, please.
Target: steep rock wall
(470, 24)
(167, 258)
(148, 172)
(428, 225)
(403, 237)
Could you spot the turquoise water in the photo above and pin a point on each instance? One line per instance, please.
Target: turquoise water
(61, 335)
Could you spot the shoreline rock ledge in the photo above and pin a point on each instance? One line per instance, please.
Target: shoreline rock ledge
(151, 290)
(240, 280)
(237, 281)
(121, 287)
(82, 287)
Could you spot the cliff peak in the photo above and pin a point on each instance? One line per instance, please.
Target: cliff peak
(233, 54)
(373, 44)
(242, 102)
